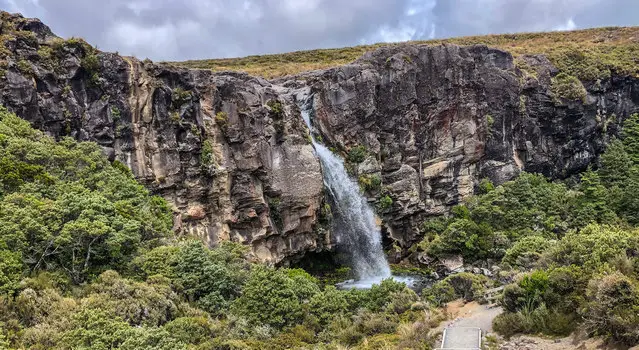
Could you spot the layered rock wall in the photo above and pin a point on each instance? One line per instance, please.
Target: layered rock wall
(435, 120)
(232, 155)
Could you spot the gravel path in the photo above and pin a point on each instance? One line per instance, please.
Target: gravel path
(471, 315)
(481, 317)
(463, 332)
(462, 338)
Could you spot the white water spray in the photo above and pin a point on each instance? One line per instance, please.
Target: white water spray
(354, 225)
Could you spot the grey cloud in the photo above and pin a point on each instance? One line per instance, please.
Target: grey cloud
(190, 29)
(476, 17)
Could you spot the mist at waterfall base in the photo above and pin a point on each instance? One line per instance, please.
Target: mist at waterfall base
(354, 226)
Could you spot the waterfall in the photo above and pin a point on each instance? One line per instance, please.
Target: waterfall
(354, 224)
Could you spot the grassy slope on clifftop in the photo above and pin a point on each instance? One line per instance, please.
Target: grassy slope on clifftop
(587, 54)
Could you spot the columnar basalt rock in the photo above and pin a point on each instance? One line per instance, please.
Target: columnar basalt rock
(232, 155)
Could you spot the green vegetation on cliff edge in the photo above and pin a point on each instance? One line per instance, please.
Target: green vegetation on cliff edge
(588, 54)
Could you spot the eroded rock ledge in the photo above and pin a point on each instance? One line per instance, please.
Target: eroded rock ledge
(232, 155)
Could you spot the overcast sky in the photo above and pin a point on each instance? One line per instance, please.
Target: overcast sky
(193, 29)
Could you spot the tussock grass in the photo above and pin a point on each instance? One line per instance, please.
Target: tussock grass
(588, 54)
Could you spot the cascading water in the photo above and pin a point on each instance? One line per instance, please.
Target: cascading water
(354, 224)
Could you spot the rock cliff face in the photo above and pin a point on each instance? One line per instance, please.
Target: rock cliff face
(232, 154)
(229, 151)
(436, 120)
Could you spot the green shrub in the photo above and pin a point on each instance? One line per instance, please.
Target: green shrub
(441, 293)
(460, 285)
(553, 322)
(585, 64)
(152, 338)
(535, 285)
(222, 120)
(306, 285)
(270, 297)
(531, 321)
(342, 330)
(175, 117)
(11, 268)
(616, 162)
(371, 323)
(487, 225)
(489, 121)
(179, 97)
(402, 301)
(66, 197)
(357, 154)
(592, 247)
(25, 67)
(377, 297)
(526, 251)
(211, 278)
(328, 304)
(192, 330)
(27, 37)
(159, 261)
(115, 113)
(150, 304)
(206, 155)
(630, 139)
(568, 87)
(509, 324)
(592, 203)
(276, 108)
(612, 309)
(385, 202)
(96, 329)
(370, 183)
(514, 298)
(91, 63)
(485, 186)
(60, 45)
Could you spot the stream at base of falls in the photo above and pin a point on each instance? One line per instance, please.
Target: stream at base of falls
(368, 283)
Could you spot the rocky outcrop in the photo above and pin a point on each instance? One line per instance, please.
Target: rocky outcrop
(435, 120)
(228, 151)
(232, 155)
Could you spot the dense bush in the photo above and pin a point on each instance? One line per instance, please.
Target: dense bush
(526, 251)
(357, 154)
(538, 320)
(328, 304)
(592, 247)
(579, 241)
(87, 260)
(370, 183)
(151, 304)
(461, 285)
(568, 87)
(612, 308)
(270, 297)
(64, 206)
(571, 287)
(489, 224)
